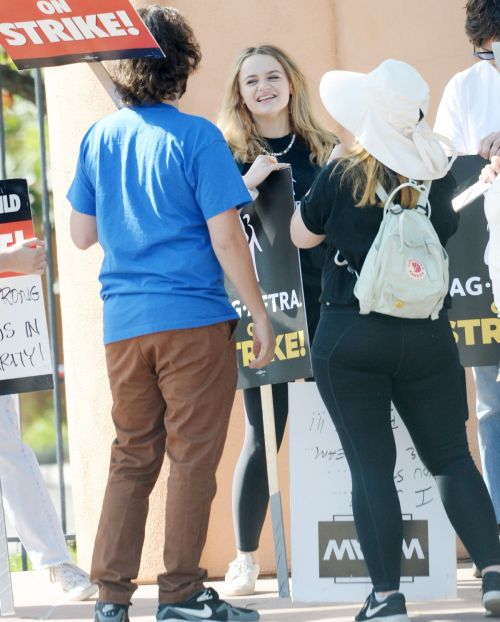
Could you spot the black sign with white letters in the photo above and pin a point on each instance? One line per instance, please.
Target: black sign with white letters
(266, 223)
(473, 315)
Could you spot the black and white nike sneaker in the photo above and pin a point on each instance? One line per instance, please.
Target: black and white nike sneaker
(392, 609)
(491, 592)
(205, 605)
(110, 612)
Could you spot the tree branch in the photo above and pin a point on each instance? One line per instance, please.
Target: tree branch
(17, 83)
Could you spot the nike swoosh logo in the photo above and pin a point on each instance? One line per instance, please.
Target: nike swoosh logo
(371, 612)
(206, 612)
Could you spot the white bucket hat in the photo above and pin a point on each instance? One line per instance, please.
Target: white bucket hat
(382, 110)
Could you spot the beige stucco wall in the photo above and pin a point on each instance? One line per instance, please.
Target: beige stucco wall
(320, 34)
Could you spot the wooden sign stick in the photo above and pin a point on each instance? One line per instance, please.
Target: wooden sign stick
(105, 79)
(274, 490)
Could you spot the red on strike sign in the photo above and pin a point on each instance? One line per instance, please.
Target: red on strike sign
(42, 33)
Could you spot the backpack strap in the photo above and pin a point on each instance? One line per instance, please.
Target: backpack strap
(423, 199)
(423, 203)
(340, 261)
(381, 193)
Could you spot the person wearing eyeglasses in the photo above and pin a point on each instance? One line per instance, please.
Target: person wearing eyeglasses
(469, 115)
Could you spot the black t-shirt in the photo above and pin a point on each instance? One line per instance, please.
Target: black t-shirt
(330, 209)
(304, 171)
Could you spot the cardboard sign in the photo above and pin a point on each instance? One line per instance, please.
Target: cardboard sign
(473, 315)
(327, 561)
(266, 224)
(43, 33)
(25, 361)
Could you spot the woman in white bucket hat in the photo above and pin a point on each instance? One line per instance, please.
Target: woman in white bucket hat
(363, 362)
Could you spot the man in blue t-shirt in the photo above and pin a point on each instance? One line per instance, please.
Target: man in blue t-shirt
(158, 189)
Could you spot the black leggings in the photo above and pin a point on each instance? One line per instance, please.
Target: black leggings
(250, 488)
(361, 363)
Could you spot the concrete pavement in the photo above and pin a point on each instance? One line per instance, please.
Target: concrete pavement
(35, 597)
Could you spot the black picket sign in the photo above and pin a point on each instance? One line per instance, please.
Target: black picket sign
(473, 315)
(266, 223)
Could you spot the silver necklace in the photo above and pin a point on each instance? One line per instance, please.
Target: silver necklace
(280, 153)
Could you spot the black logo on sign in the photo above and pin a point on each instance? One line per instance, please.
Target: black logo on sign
(340, 554)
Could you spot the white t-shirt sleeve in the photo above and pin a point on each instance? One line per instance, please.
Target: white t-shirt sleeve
(449, 120)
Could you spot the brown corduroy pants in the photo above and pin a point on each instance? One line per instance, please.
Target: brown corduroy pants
(172, 392)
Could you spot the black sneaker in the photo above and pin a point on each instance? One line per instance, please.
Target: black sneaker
(491, 592)
(204, 605)
(392, 609)
(110, 612)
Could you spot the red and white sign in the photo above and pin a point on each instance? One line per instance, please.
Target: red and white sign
(25, 360)
(43, 33)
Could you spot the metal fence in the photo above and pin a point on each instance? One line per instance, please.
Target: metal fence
(50, 279)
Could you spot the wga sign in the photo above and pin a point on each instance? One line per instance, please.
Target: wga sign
(340, 554)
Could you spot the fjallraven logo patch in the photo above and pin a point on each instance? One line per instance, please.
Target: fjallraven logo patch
(415, 268)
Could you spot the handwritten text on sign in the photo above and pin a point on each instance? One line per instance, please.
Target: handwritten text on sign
(328, 564)
(25, 362)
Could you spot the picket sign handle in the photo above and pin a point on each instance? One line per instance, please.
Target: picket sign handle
(274, 490)
(105, 79)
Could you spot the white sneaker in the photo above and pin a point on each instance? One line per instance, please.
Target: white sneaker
(241, 576)
(74, 581)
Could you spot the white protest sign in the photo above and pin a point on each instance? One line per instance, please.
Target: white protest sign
(25, 361)
(327, 562)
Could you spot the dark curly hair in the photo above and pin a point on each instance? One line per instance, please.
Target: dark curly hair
(151, 80)
(482, 20)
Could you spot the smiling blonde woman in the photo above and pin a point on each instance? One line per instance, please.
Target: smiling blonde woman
(267, 120)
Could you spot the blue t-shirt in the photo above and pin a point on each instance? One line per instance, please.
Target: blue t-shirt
(152, 176)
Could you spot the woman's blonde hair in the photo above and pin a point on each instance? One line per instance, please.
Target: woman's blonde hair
(238, 126)
(362, 171)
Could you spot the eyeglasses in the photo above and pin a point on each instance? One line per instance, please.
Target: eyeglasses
(484, 54)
